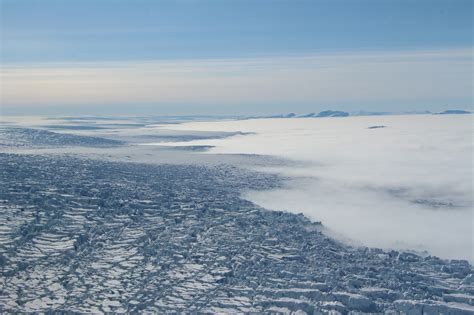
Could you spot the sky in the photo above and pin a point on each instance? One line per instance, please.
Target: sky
(234, 57)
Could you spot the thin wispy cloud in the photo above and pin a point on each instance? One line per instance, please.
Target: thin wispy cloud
(356, 77)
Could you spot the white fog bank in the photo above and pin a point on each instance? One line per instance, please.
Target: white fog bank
(405, 186)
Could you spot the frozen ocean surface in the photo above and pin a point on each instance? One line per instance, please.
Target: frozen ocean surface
(406, 185)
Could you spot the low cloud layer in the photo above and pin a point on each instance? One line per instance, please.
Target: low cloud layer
(405, 186)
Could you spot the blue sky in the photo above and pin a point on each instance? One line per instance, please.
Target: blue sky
(54, 42)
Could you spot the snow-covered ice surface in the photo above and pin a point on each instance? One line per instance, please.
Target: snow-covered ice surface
(91, 226)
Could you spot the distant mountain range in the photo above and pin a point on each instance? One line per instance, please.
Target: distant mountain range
(327, 113)
(338, 113)
(453, 112)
